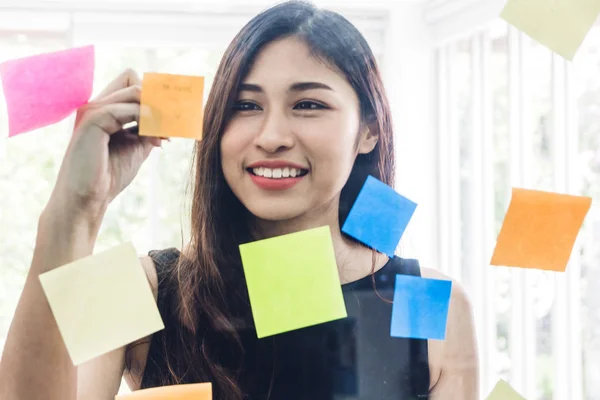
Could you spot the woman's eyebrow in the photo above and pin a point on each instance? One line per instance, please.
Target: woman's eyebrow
(296, 87)
(301, 86)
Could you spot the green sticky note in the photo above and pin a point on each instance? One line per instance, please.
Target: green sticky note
(503, 391)
(560, 25)
(293, 281)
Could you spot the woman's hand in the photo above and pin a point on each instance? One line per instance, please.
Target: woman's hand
(102, 158)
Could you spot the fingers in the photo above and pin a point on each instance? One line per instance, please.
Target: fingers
(127, 78)
(146, 142)
(111, 117)
(131, 94)
(154, 141)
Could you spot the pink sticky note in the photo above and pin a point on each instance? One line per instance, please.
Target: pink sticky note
(44, 89)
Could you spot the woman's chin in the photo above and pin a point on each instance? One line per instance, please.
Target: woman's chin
(275, 212)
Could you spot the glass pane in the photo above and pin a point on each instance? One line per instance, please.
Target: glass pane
(462, 84)
(538, 81)
(501, 362)
(587, 89)
(28, 168)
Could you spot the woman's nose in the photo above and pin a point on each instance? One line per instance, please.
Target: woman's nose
(276, 134)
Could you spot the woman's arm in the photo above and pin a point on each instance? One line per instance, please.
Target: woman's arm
(100, 161)
(35, 363)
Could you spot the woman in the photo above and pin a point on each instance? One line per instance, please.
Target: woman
(297, 94)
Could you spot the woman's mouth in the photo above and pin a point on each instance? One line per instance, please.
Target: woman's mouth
(278, 173)
(276, 178)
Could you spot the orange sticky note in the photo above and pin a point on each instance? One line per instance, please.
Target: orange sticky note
(540, 229)
(193, 391)
(172, 106)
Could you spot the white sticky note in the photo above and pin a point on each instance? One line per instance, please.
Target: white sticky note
(101, 302)
(560, 25)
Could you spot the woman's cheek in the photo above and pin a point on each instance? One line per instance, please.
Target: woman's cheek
(237, 136)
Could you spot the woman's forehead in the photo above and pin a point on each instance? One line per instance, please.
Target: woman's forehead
(289, 61)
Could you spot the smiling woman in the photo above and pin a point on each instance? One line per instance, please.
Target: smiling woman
(296, 120)
(298, 92)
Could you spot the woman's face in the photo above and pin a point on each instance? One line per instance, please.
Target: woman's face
(290, 145)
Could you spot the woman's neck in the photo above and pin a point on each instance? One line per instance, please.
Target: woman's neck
(354, 261)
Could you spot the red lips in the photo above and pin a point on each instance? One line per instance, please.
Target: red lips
(275, 164)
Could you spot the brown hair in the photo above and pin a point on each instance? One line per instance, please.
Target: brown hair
(207, 283)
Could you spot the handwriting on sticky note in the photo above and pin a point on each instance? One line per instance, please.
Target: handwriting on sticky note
(503, 391)
(101, 302)
(379, 216)
(420, 309)
(560, 25)
(293, 281)
(193, 391)
(172, 106)
(44, 89)
(540, 229)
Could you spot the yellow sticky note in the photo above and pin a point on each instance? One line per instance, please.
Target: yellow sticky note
(101, 302)
(503, 391)
(293, 281)
(539, 229)
(560, 25)
(193, 391)
(171, 106)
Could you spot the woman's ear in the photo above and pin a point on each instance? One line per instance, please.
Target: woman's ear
(368, 139)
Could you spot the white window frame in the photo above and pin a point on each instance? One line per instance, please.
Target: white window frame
(450, 20)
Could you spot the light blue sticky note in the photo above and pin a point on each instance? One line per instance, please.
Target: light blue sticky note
(420, 309)
(379, 216)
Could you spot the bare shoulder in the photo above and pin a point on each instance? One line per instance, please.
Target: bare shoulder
(454, 361)
(151, 274)
(136, 353)
(458, 298)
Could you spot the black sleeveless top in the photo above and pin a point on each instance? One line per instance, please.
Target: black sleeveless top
(351, 358)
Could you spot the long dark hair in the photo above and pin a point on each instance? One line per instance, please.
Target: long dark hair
(207, 282)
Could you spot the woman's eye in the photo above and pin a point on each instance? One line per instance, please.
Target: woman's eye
(309, 105)
(245, 106)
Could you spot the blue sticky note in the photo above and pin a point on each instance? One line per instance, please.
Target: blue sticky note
(379, 216)
(420, 309)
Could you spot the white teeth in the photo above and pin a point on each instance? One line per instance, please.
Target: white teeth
(277, 173)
